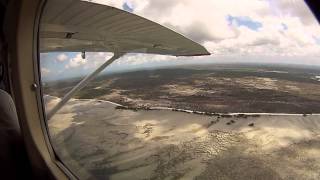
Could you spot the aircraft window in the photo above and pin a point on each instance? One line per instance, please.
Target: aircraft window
(250, 110)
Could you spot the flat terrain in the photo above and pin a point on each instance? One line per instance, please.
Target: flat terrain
(97, 141)
(208, 88)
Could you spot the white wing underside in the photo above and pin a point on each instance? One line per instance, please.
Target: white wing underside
(77, 26)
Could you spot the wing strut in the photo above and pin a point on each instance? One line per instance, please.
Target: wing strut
(82, 84)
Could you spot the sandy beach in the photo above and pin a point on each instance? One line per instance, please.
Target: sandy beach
(97, 141)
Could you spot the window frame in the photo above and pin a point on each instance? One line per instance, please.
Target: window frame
(22, 30)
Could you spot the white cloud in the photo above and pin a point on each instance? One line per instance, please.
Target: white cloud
(206, 22)
(92, 60)
(62, 57)
(45, 71)
(75, 62)
(139, 59)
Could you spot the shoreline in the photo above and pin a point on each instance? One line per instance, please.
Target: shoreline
(237, 114)
(226, 115)
(94, 134)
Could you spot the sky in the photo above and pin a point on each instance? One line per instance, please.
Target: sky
(262, 31)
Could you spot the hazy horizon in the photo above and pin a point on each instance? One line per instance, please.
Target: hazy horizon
(114, 70)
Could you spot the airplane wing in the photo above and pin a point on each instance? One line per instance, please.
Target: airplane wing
(78, 26)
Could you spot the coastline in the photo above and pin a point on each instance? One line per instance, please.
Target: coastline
(232, 114)
(93, 136)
